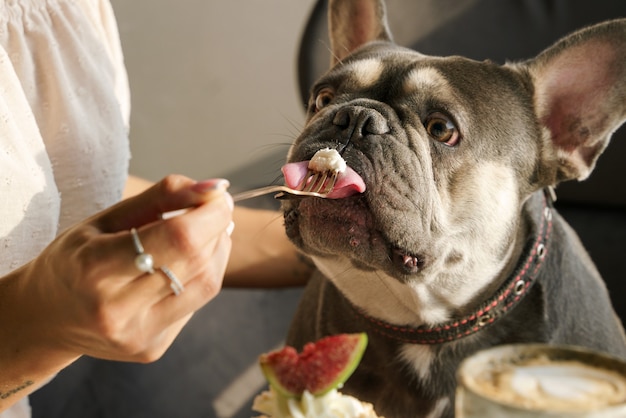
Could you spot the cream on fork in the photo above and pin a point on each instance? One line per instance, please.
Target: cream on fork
(315, 184)
(323, 171)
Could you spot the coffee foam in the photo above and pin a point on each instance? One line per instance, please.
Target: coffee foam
(556, 385)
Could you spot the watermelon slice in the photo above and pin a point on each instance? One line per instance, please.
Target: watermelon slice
(319, 368)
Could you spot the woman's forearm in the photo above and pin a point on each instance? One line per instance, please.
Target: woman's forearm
(135, 185)
(261, 255)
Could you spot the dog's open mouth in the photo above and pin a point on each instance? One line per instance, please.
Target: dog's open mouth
(348, 183)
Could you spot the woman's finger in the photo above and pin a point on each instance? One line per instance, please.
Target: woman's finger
(172, 193)
(176, 240)
(173, 273)
(181, 242)
(200, 287)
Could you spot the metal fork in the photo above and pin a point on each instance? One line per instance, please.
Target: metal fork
(315, 183)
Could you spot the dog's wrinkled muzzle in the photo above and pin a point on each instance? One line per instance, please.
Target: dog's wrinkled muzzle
(348, 183)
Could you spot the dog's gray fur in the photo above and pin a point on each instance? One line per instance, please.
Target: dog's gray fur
(441, 227)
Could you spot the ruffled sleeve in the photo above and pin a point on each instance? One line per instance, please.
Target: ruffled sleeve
(103, 20)
(29, 200)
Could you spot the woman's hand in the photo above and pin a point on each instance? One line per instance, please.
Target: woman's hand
(85, 295)
(112, 310)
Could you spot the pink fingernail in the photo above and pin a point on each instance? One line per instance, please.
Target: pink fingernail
(206, 186)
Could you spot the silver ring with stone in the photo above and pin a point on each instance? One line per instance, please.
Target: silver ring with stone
(175, 284)
(144, 261)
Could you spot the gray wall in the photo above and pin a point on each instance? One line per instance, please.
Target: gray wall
(213, 85)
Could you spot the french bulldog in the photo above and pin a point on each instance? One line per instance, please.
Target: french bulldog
(442, 239)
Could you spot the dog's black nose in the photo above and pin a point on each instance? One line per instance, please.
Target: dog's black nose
(359, 121)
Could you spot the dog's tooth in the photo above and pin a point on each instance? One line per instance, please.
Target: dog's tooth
(409, 261)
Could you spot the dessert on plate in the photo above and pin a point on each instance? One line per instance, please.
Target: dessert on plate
(307, 384)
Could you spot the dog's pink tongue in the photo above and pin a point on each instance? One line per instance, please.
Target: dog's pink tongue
(348, 183)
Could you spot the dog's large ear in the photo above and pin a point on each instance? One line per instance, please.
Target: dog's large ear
(580, 96)
(353, 23)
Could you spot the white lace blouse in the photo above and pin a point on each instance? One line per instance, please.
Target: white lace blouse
(64, 110)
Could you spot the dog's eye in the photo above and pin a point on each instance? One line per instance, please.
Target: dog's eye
(442, 129)
(323, 98)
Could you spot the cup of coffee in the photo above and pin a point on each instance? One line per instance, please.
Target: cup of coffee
(538, 380)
